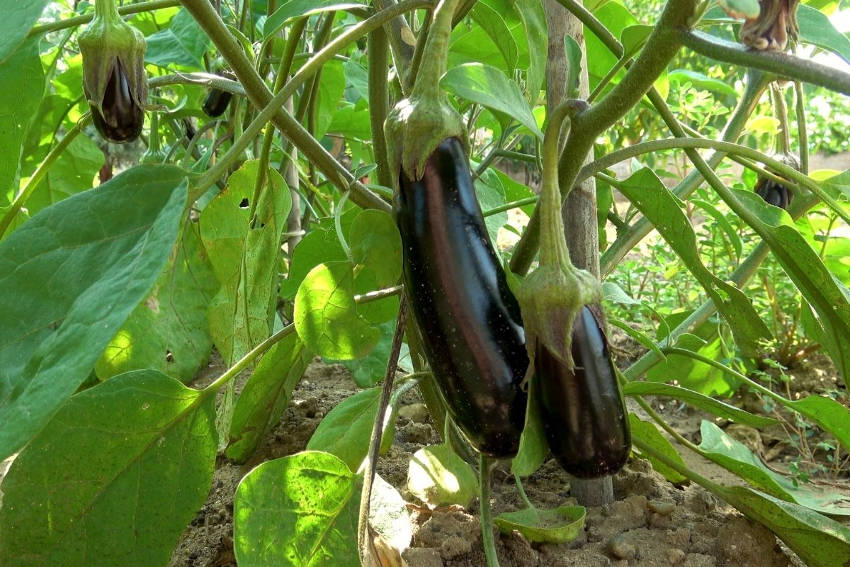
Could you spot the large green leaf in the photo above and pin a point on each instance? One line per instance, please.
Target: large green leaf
(326, 315)
(298, 511)
(816, 28)
(266, 395)
(818, 540)
(68, 279)
(300, 8)
(696, 399)
(168, 330)
(490, 87)
(493, 23)
(347, 429)
(113, 478)
(737, 458)
(318, 245)
(646, 191)
(21, 89)
(182, 43)
(536, 34)
(648, 433)
(16, 19)
(825, 293)
(72, 172)
(244, 255)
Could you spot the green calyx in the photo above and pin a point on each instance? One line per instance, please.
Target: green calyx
(552, 295)
(106, 42)
(417, 124)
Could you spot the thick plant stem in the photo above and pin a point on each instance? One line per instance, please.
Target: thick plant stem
(80, 20)
(40, 172)
(781, 64)
(660, 48)
(485, 467)
(261, 97)
(375, 441)
(273, 106)
(249, 358)
(756, 84)
(802, 132)
(745, 271)
(401, 41)
(427, 83)
(379, 102)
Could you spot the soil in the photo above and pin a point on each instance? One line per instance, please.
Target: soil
(651, 523)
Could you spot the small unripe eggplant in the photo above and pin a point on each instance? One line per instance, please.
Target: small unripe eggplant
(773, 193)
(120, 118)
(216, 102)
(114, 80)
(582, 410)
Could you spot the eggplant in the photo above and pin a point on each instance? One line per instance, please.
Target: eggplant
(216, 102)
(773, 193)
(471, 324)
(582, 410)
(121, 118)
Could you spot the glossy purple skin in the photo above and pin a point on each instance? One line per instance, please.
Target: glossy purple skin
(773, 193)
(470, 321)
(583, 413)
(122, 118)
(216, 102)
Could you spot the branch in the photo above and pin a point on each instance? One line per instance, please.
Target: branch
(80, 20)
(781, 64)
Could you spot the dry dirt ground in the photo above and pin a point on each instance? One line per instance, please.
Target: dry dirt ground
(651, 524)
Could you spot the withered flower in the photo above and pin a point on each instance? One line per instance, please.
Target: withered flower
(776, 21)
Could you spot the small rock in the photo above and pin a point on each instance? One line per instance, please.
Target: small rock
(416, 433)
(422, 557)
(675, 556)
(661, 507)
(660, 521)
(454, 546)
(417, 413)
(700, 560)
(620, 547)
(680, 538)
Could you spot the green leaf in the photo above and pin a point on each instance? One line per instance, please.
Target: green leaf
(438, 477)
(731, 232)
(818, 540)
(376, 243)
(331, 89)
(559, 525)
(347, 429)
(21, 89)
(299, 511)
(537, 36)
(616, 17)
(300, 8)
(574, 53)
(69, 278)
(318, 246)
(113, 478)
(266, 395)
(370, 370)
(182, 43)
(701, 81)
(17, 18)
(646, 191)
(648, 433)
(495, 26)
(633, 37)
(244, 256)
(740, 8)
(716, 407)
(719, 447)
(491, 194)
(326, 315)
(490, 87)
(168, 330)
(817, 28)
(826, 294)
(533, 447)
(692, 373)
(74, 171)
(831, 415)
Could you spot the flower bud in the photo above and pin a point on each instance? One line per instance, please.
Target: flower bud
(114, 78)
